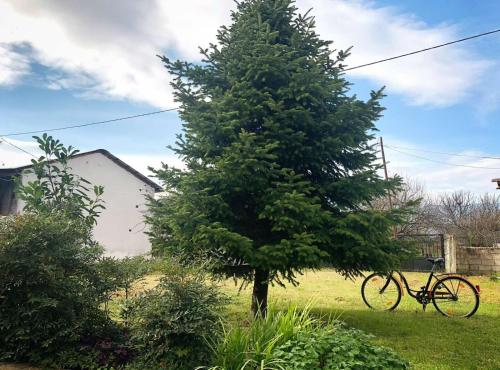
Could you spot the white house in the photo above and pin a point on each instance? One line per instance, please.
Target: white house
(120, 228)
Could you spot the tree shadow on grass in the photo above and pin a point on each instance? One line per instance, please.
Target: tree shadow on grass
(430, 340)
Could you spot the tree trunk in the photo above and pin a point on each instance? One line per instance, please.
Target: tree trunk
(259, 294)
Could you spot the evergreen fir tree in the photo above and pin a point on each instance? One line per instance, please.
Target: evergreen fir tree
(280, 169)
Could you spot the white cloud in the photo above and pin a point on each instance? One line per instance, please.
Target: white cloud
(488, 102)
(101, 49)
(108, 48)
(141, 162)
(407, 160)
(13, 65)
(437, 78)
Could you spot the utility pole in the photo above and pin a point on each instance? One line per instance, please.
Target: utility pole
(385, 169)
(394, 231)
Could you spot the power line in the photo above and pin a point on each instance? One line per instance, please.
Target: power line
(423, 50)
(441, 162)
(172, 109)
(2, 139)
(444, 153)
(87, 124)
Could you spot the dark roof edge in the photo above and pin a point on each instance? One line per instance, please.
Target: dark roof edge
(116, 160)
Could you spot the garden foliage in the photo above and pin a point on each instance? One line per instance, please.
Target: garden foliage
(294, 340)
(122, 274)
(54, 280)
(50, 288)
(336, 349)
(55, 188)
(280, 166)
(170, 324)
(130, 271)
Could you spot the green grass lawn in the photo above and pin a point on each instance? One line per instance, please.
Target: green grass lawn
(428, 339)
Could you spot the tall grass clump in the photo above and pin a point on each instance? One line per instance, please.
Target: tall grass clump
(296, 340)
(254, 346)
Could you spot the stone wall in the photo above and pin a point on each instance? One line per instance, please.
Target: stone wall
(477, 260)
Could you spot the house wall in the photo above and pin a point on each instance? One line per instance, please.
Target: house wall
(120, 228)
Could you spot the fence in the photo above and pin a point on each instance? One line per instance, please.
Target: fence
(426, 246)
(470, 260)
(458, 256)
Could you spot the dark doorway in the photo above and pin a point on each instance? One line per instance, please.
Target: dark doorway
(7, 196)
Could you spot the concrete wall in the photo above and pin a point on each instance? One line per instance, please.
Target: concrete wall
(477, 260)
(120, 228)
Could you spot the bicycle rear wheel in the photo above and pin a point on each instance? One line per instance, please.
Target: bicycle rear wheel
(380, 292)
(455, 296)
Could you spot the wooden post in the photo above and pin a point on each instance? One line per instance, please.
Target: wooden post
(385, 169)
(450, 254)
(394, 231)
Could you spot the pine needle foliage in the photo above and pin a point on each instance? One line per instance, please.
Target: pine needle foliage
(279, 166)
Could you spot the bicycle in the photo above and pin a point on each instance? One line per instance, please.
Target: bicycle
(451, 295)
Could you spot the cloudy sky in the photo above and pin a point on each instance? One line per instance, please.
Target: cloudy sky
(70, 62)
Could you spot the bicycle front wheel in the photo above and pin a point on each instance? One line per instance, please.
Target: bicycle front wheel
(455, 296)
(381, 293)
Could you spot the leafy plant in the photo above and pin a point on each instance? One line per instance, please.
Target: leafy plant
(50, 288)
(169, 324)
(131, 270)
(122, 274)
(56, 189)
(294, 340)
(336, 349)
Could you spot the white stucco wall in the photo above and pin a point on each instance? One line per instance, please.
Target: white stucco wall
(120, 228)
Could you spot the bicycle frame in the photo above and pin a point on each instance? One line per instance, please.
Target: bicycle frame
(415, 293)
(439, 289)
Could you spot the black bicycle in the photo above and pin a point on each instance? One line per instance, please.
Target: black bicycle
(452, 295)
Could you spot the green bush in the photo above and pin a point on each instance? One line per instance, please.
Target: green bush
(335, 350)
(132, 270)
(169, 324)
(294, 340)
(122, 274)
(55, 187)
(50, 288)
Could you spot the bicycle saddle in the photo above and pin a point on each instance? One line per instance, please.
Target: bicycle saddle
(436, 260)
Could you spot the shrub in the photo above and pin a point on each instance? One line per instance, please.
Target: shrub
(132, 270)
(122, 274)
(169, 324)
(294, 340)
(55, 187)
(50, 291)
(336, 349)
